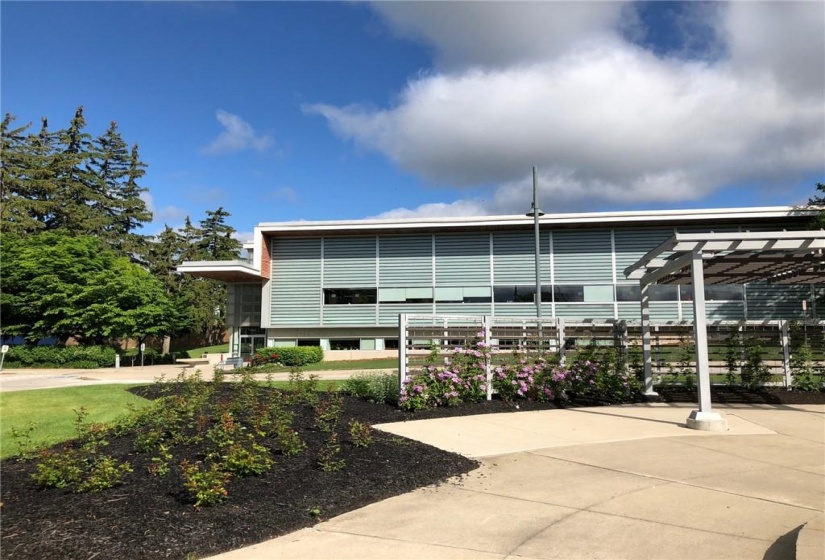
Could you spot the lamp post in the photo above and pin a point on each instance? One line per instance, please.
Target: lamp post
(535, 212)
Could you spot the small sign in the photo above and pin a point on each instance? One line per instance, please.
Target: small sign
(142, 347)
(804, 305)
(4, 348)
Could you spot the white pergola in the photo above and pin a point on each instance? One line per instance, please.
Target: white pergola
(777, 257)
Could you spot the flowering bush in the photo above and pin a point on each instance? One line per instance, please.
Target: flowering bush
(593, 373)
(463, 378)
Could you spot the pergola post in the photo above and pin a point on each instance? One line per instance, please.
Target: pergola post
(704, 418)
(646, 348)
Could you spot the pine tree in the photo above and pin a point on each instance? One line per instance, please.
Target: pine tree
(115, 172)
(819, 202)
(216, 241)
(25, 178)
(76, 195)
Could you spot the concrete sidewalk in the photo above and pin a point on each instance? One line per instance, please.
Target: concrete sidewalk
(612, 482)
(27, 379)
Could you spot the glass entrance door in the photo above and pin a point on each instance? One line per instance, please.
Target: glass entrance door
(250, 343)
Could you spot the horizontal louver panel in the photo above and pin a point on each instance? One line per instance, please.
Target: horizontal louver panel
(777, 302)
(388, 314)
(296, 282)
(349, 315)
(462, 259)
(522, 309)
(405, 261)
(582, 256)
(584, 311)
(632, 244)
(514, 257)
(463, 309)
(349, 262)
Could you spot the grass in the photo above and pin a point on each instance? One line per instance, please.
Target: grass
(198, 352)
(52, 410)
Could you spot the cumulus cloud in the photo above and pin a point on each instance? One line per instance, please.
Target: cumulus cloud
(602, 116)
(237, 135)
(287, 194)
(166, 214)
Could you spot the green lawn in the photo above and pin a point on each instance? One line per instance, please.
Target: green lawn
(52, 411)
(198, 352)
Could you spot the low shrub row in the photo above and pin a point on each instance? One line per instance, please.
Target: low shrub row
(594, 373)
(85, 357)
(292, 356)
(373, 387)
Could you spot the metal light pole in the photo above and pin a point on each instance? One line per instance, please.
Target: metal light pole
(535, 212)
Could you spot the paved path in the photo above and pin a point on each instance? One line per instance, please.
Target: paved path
(618, 482)
(26, 379)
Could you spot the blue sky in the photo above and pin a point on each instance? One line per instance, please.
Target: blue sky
(283, 111)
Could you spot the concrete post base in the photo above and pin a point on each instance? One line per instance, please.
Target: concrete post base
(707, 421)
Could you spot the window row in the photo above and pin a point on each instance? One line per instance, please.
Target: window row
(526, 294)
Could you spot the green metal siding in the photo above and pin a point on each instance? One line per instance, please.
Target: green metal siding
(522, 309)
(349, 262)
(585, 310)
(463, 309)
(462, 259)
(405, 261)
(777, 301)
(349, 315)
(633, 244)
(582, 256)
(296, 282)
(388, 313)
(514, 258)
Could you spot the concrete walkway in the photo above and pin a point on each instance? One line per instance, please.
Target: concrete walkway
(26, 379)
(617, 482)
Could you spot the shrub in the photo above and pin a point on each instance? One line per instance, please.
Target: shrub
(754, 371)
(804, 376)
(374, 387)
(329, 456)
(62, 356)
(360, 433)
(293, 355)
(206, 485)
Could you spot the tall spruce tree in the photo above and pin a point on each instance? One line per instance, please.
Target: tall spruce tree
(114, 171)
(818, 202)
(26, 187)
(216, 242)
(76, 195)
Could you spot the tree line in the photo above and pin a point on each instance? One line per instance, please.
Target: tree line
(75, 261)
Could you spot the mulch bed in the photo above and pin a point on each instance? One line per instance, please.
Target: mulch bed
(740, 395)
(153, 517)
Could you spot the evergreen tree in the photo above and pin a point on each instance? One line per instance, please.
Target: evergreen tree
(115, 171)
(217, 243)
(76, 196)
(25, 178)
(819, 202)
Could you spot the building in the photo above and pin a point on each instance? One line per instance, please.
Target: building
(342, 284)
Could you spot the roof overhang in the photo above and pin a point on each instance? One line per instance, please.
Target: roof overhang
(778, 257)
(647, 218)
(225, 271)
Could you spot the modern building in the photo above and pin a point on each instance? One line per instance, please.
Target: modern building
(342, 284)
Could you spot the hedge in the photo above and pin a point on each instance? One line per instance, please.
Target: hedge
(289, 355)
(61, 357)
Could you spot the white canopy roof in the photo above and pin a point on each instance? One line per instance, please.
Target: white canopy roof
(781, 257)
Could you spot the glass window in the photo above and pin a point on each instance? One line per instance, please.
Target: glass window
(716, 292)
(520, 294)
(658, 292)
(391, 344)
(480, 294)
(309, 342)
(405, 295)
(344, 344)
(349, 296)
(598, 293)
(568, 294)
(628, 293)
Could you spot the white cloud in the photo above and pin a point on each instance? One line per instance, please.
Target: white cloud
(167, 214)
(287, 194)
(604, 119)
(244, 236)
(237, 135)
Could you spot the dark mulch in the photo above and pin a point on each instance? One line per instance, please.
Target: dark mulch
(740, 395)
(152, 517)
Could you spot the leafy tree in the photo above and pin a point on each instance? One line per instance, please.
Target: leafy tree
(818, 201)
(55, 284)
